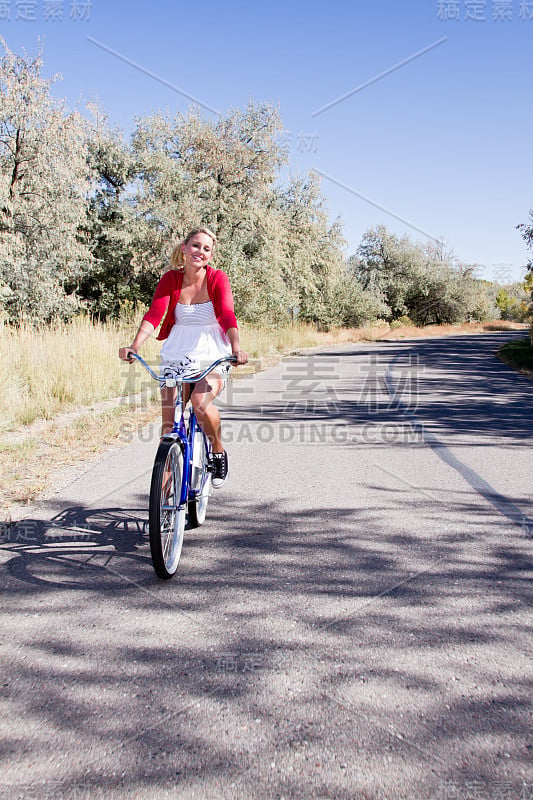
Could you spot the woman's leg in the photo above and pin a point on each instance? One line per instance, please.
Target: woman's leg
(206, 412)
(168, 404)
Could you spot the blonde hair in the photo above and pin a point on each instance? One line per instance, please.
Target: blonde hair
(177, 259)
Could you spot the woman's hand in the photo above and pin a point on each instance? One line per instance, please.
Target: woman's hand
(242, 357)
(125, 354)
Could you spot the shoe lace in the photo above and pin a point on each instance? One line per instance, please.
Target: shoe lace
(219, 464)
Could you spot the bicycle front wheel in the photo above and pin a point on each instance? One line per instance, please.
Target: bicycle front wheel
(201, 479)
(166, 518)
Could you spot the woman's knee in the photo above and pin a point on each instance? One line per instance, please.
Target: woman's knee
(200, 404)
(202, 398)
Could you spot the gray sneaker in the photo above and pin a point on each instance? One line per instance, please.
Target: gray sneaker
(218, 463)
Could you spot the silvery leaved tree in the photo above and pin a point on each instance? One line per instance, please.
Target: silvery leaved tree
(220, 173)
(527, 234)
(113, 284)
(420, 280)
(282, 255)
(44, 185)
(313, 264)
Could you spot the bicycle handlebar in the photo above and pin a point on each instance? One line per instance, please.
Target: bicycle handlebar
(183, 379)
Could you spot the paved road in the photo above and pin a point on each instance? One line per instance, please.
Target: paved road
(352, 621)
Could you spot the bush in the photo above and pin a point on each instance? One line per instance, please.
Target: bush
(518, 354)
(402, 322)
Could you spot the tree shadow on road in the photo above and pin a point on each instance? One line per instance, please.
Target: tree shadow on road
(454, 386)
(284, 660)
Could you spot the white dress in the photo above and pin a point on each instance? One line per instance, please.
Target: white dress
(195, 341)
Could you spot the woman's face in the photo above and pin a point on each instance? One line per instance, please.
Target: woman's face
(198, 250)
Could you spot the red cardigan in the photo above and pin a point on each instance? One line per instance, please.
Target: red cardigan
(167, 293)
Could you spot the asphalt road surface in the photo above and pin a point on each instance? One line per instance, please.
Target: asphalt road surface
(353, 620)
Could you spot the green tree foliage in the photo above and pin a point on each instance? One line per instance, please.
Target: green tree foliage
(112, 282)
(195, 171)
(310, 256)
(275, 243)
(513, 301)
(527, 233)
(419, 280)
(526, 229)
(44, 184)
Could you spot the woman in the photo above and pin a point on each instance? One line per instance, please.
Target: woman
(199, 326)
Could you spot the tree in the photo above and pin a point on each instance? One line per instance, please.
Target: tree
(113, 282)
(44, 184)
(312, 262)
(87, 221)
(192, 170)
(527, 235)
(418, 280)
(275, 242)
(385, 265)
(513, 301)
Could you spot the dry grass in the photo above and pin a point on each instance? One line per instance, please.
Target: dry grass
(45, 372)
(28, 465)
(54, 381)
(269, 344)
(412, 332)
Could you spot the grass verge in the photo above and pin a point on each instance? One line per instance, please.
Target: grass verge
(28, 465)
(44, 372)
(519, 355)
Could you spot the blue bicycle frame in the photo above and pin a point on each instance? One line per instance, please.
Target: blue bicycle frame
(179, 429)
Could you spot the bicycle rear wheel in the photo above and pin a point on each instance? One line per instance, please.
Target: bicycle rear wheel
(166, 518)
(201, 479)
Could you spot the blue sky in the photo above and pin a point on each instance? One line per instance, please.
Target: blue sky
(439, 145)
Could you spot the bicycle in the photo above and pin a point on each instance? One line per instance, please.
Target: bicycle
(181, 477)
